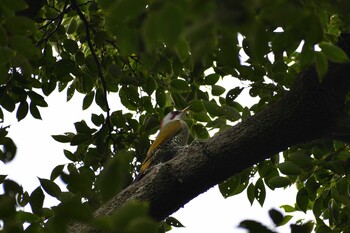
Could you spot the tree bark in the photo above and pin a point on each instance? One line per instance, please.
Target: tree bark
(310, 110)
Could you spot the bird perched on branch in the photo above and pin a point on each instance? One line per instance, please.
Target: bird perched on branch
(173, 134)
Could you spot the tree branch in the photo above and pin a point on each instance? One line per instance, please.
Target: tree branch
(308, 112)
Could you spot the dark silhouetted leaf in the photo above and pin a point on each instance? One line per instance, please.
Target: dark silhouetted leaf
(253, 226)
(279, 182)
(276, 216)
(302, 199)
(211, 79)
(251, 193)
(333, 52)
(22, 110)
(289, 168)
(173, 222)
(37, 200)
(50, 187)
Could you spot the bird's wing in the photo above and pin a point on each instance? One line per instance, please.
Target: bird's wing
(167, 132)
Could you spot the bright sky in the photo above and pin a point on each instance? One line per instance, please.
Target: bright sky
(38, 154)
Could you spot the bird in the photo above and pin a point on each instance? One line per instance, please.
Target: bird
(173, 133)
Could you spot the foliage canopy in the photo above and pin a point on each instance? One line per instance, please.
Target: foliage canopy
(153, 55)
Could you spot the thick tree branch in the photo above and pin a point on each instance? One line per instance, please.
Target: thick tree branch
(309, 111)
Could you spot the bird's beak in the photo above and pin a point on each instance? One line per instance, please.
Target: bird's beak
(185, 109)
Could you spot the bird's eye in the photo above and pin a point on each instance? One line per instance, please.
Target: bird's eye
(174, 114)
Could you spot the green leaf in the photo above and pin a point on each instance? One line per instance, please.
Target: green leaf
(321, 63)
(173, 222)
(100, 38)
(285, 220)
(70, 46)
(72, 26)
(180, 85)
(276, 216)
(62, 138)
(147, 103)
(12, 188)
(17, 5)
(161, 97)
(279, 182)
(211, 79)
(170, 24)
(318, 207)
(232, 94)
(123, 10)
(132, 217)
(99, 119)
(302, 199)
(301, 159)
(34, 111)
(56, 172)
(80, 58)
(196, 106)
(288, 208)
(20, 25)
(312, 186)
(72, 208)
(213, 108)
(87, 101)
(150, 86)
(5, 55)
(201, 116)
(24, 46)
(50, 187)
(22, 110)
(150, 33)
(9, 149)
(100, 98)
(251, 193)
(179, 100)
(228, 187)
(80, 139)
(3, 37)
(4, 76)
(254, 226)
(2, 178)
(231, 113)
(69, 155)
(37, 200)
(37, 99)
(199, 131)
(64, 67)
(289, 168)
(305, 228)
(127, 40)
(115, 176)
(7, 102)
(87, 82)
(333, 52)
(8, 207)
(217, 90)
(28, 217)
(83, 128)
(260, 192)
(265, 168)
(182, 50)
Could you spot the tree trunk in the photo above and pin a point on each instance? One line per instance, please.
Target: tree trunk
(310, 110)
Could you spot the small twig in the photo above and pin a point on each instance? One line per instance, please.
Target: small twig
(59, 22)
(99, 69)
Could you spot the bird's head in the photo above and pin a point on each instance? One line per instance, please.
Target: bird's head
(173, 116)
